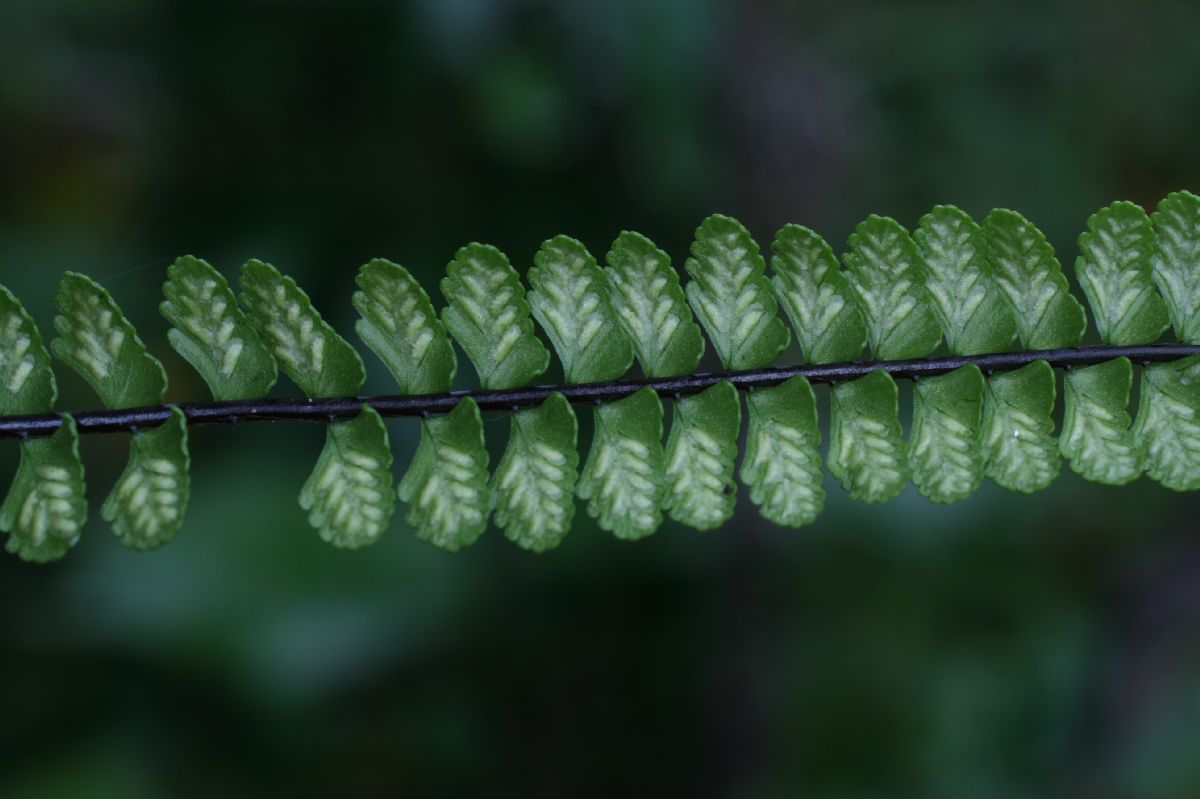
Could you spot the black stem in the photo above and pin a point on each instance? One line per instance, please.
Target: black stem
(325, 410)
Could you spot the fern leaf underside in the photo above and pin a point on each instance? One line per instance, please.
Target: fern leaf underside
(974, 288)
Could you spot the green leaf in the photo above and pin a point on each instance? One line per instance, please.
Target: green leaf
(1114, 270)
(489, 316)
(1096, 437)
(700, 456)
(446, 485)
(310, 352)
(1018, 430)
(98, 342)
(884, 269)
(782, 467)
(732, 296)
(27, 382)
(46, 508)
(651, 307)
(400, 325)
(1168, 423)
(1025, 268)
(817, 297)
(945, 452)
(147, 505)
(212, 334)
(624, 477)
(866, 442)
(571, 301)
(533, 490)
(349, 495)
(968, 303)
(1176, 261)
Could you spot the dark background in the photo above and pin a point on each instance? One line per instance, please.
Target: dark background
(1008, 646)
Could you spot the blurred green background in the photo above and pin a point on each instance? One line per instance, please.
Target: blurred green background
(1008, 646)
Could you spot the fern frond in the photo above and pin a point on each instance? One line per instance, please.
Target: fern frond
(983, 411)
